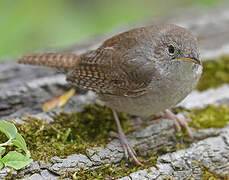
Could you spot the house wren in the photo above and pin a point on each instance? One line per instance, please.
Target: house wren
(141, 72)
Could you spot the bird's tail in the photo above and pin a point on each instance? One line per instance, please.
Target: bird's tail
(57, 60)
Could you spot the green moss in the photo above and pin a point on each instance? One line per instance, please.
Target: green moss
(70, 133)
(11, 175)
(73, 133)
(110, 171)
(210, 117)
(214, 74)
(3, 138)
(208, 174)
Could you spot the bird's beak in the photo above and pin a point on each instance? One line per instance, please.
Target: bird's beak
(191, 58)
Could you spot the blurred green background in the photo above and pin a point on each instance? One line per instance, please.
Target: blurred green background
(27, 25)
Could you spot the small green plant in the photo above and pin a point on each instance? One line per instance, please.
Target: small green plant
(13, 159)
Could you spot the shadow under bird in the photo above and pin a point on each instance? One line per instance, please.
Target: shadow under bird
(141, 72)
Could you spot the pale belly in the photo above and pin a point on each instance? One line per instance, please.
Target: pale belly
(160, 96)
(147, 104)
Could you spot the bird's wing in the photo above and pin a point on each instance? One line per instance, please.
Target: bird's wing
(118, 67)
(106, 73)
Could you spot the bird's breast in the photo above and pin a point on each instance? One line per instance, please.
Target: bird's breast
(162, 93)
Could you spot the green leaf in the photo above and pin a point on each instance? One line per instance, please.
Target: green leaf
(20, 143)
(16, 160)
(2, 151)
(8, 129)
(1, 164)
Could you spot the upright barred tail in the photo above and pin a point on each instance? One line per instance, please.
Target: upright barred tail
(57, 60)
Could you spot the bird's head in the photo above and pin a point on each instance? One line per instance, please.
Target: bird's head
(177, 49)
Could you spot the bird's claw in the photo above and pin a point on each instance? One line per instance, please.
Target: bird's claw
(178, 122)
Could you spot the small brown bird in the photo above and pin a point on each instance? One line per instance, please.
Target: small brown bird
(142, 71)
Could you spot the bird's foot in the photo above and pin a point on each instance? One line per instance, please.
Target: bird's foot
(178, 122)
(128, 149)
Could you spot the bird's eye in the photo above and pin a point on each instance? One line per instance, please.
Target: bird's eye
(171, 49)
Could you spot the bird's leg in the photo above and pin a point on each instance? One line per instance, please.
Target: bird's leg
(178, 122)
(128, 150)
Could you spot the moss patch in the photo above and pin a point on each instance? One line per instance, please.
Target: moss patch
(111, 171)
(208, 174)
(73, 133)
(108, 171)
(3, 138)
(210, 117)
(214, 74)
(70, 133)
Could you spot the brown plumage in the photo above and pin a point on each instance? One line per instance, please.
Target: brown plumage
(57, 60)
(107, 71)
(115, 68)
